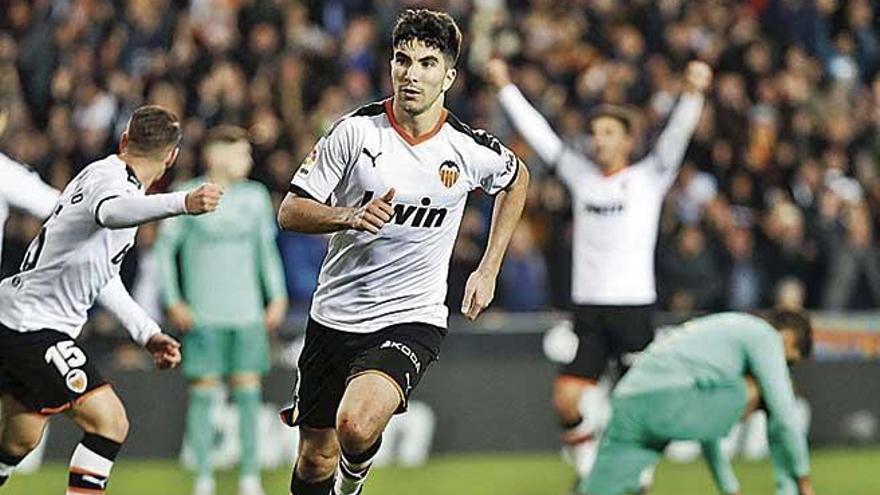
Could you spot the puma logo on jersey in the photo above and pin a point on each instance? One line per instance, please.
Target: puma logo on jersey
(449, 172)
(371, 156)
(412, 215)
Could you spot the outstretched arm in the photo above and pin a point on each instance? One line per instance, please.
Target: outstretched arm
(531, 125)
(121, 212)
(669, 151)
(480, 288)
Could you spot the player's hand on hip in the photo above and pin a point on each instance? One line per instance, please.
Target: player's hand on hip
(180, 316)
(478, 294)
(203, 199)
(698, 76)
(497, 73)
(276, 313)
(374, 215)
(165, 351)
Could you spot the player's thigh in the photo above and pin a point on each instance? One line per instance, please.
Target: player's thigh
(46, 371)
(593, 351)
(20, 428)
(369, 402)
(102, 413)
(246, 350)
(401, 354)
(321, 374)
(202, 353)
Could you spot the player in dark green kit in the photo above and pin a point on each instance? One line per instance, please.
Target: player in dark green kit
(230, 290)
(695, 384)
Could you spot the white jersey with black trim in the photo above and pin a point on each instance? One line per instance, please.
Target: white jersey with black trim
(368, 282)
(616, 217)
(73, 258)
(22, 189)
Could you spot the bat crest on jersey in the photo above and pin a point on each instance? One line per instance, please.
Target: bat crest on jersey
(77, 381)
(449, 172)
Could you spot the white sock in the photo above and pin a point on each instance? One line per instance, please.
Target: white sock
(352, 471)
(90, 465)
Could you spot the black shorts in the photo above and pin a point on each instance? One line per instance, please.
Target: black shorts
(608, 333)
(331, 358)
(45, 370)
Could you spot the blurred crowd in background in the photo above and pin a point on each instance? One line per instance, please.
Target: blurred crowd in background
(777, 203)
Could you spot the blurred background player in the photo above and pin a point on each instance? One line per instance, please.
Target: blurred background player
(390, 180)
(616, 219)
(227, 296)
(695, 383)
(73, 262)
(19, 188)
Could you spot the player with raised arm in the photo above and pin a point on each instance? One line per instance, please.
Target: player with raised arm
(390, 181)
(694, 384)
(616, 210)
(73, 262)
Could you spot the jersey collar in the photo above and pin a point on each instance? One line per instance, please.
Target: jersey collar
(407, 136)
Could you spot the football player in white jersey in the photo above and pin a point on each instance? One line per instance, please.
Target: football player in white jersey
(19, 188)
(390, 181)
(616, 217)
(74, 261)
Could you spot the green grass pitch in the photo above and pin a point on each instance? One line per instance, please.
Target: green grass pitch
(835, 472)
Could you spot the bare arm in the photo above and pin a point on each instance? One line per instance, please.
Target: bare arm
(480, 288)
(308, 216)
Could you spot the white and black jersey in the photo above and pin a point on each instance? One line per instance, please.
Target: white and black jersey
(23, 189)
(369, 282)
(616, 217)
(75, 258)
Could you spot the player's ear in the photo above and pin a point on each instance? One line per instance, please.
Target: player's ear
(123, 142)
(449, 79)
(172, 156)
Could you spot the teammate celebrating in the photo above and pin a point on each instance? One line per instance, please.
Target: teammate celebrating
(73, 261)
(616, 217)
(397, 174)
(695, 384)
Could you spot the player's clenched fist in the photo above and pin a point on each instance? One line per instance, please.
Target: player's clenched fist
(374, 215)
(698, 76)
(497, 73)
(203, 199)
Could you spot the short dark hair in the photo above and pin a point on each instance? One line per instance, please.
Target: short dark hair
(799, 323)
(434, 29)
(618, 113)
(225, 134)
(153, 129)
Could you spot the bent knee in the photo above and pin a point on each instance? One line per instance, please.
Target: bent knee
(316, 465)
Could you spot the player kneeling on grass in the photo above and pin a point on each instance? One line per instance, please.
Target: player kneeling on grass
(73, 261)
(695, 384)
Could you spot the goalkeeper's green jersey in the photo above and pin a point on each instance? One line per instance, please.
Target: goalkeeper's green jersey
(225, 264)
(714, 351)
